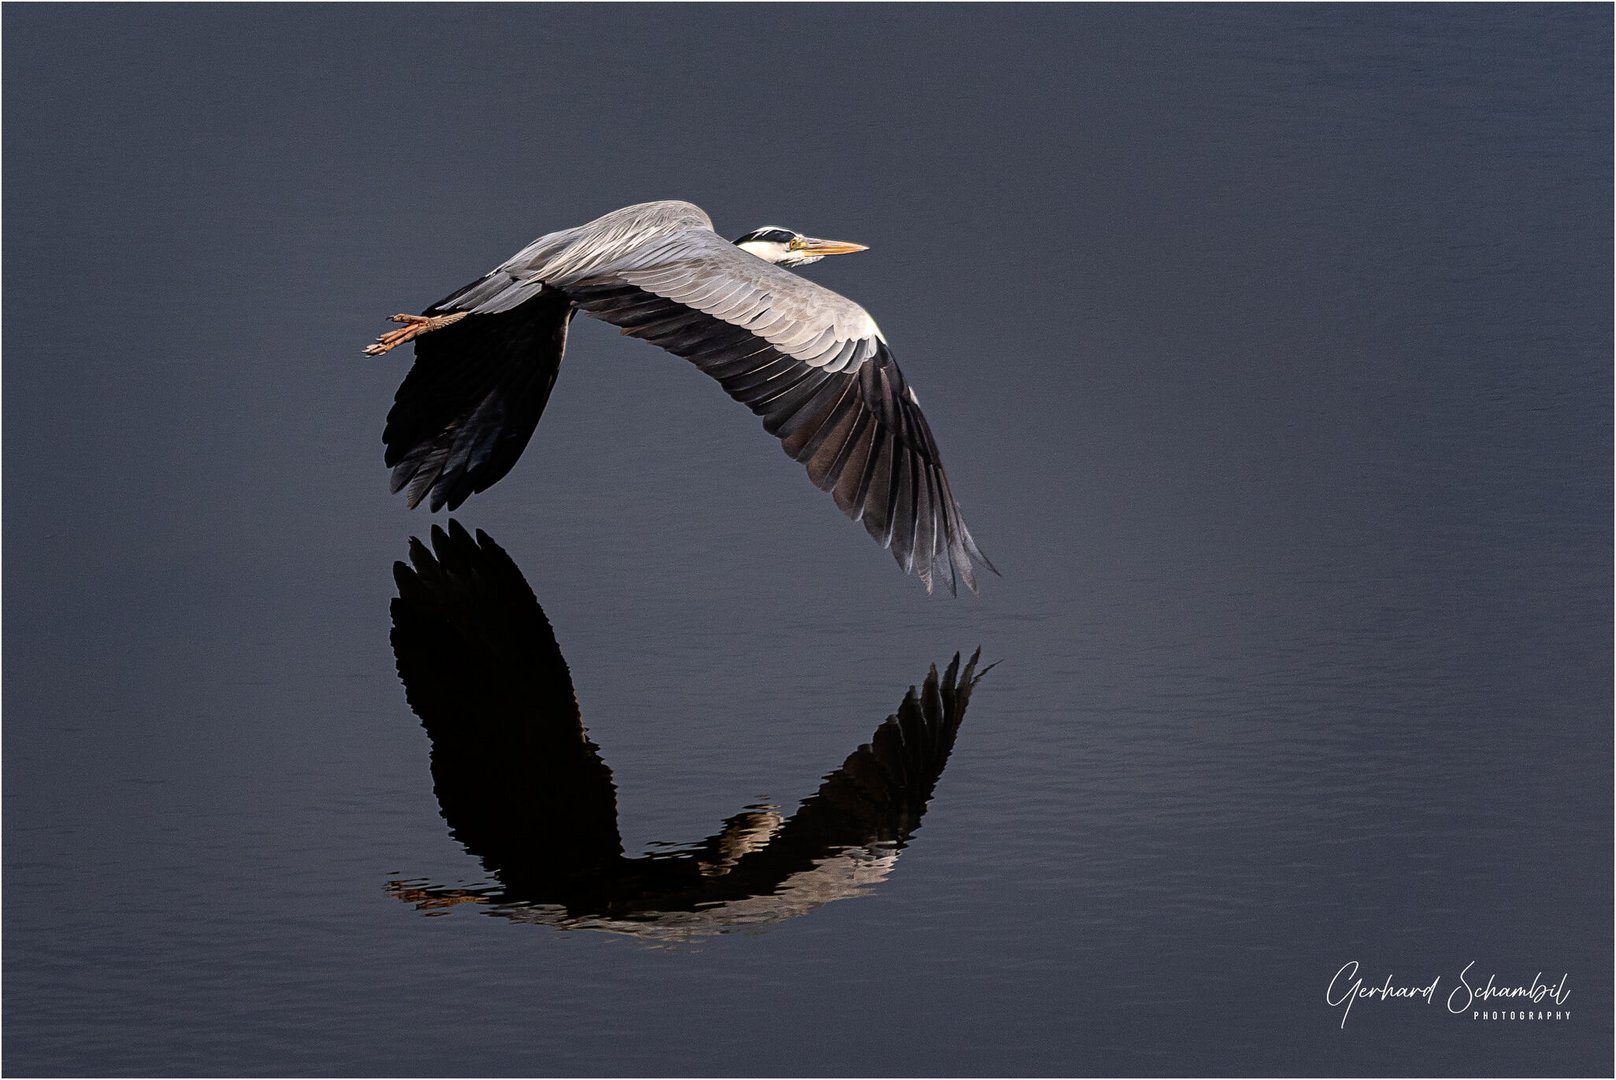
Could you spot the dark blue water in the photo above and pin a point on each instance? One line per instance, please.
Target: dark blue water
(1270, 353)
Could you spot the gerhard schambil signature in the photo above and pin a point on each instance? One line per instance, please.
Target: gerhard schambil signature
(1348, 987)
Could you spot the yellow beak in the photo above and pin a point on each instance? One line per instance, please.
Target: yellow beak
(827, 247)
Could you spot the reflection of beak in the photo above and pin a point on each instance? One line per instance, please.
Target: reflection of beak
(812, 246)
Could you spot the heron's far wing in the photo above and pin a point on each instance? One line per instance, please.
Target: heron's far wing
(517, 778)
(471, 402)
(815, 367)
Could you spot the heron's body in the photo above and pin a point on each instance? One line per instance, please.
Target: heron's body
(810, 362)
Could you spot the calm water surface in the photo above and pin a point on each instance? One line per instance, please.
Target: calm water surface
(1269, 350)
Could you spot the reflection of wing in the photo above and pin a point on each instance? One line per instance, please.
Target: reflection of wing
(882, 788)
(517, 779)
(875, 799)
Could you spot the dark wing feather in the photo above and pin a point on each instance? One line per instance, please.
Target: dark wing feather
(517, 778)
(468, 407)
(859, 430)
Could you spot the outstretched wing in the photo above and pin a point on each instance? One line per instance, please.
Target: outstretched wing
(815, 367)
(468, 407)
(518, 780)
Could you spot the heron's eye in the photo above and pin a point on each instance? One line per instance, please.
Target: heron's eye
(796, 243)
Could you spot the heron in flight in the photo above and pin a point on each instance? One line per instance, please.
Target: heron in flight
(810, 362)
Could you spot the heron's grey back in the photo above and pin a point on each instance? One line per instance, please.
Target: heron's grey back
(575, 253)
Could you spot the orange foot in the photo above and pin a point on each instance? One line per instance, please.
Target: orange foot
(414, 327)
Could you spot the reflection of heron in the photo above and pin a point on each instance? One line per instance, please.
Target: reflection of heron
(524, 789)
(811, 363)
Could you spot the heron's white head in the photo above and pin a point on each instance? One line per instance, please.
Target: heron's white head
(786, 248)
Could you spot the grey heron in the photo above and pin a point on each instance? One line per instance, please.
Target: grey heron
(523, 787)
(810, 362)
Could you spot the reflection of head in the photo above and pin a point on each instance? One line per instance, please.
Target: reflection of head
(524, 789)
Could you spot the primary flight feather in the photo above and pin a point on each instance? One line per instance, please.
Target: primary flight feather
(810, 362)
